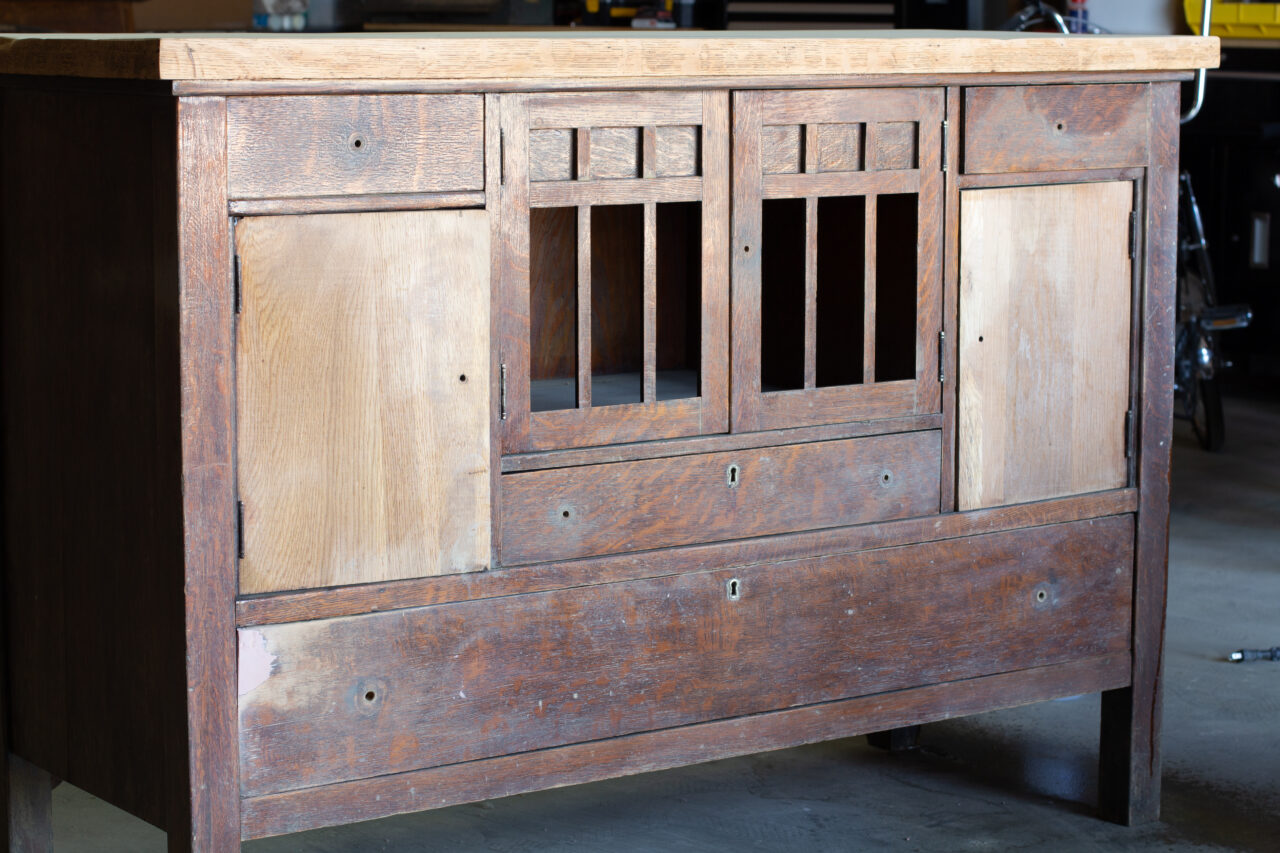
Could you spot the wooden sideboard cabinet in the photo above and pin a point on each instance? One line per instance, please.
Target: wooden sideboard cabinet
(393, 423)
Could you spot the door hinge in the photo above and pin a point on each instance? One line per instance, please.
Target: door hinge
(1134, 230)
(239, 530)
(502, 158)
(946, 152)
(1128, 434)
(237, 291)
(942, 356)
(502, 392)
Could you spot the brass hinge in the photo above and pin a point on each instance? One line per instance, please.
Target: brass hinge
(1134, 230)
(502, 392)
(946, 152)
(942, 355)
(239, 530)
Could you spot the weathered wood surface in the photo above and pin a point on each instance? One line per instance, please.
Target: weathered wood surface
(420, 592)
(328, 701)
(560, 514)
(1129, 767)
(348, 145)
(1045, 293)
(1045, 128)
(643, 753)
(569, 55)
(363, 350)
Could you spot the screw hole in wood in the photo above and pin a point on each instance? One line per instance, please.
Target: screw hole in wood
(462, 378)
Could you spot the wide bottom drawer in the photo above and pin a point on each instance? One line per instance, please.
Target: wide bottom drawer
(333, 700)
(565, 513)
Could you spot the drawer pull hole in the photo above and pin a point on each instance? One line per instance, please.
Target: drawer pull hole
(462, 378)
(732, 476)
(1041, 595)
(355, 142)
(734, 588)
(886, 478)
(564, 513)
(1061, 126)
(370, 696)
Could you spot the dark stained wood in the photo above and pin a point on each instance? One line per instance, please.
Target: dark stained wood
(642, 753)
(896, 117)
(386, 693)
(950, 299)
(626, 84)
(617, 267)
(347, 601)
(315, 146)
(557, 239)
(629, 506)
(208, 789)
(1049, 128)
(355, 203)
(1129, 768)
(28, 807)
(712, 443)
(1063, 176)
(92, 524)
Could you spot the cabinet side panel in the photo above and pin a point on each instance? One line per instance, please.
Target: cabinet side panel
(1045, 293)
(92, 521)
(363, 350)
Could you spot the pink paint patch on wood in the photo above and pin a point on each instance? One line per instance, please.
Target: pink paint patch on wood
(255, 661)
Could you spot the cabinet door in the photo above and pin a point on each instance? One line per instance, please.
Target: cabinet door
(1045, 299)
(363, 400)
(837, 256)
(613, 218)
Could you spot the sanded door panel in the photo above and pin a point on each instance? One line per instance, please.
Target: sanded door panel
(363, 364)
(1045, 295)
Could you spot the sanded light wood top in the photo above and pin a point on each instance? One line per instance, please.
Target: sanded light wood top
(569, 55)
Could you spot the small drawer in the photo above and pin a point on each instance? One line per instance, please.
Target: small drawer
(1056, 128)
(331, 700)
(291, 147)
(565, 513)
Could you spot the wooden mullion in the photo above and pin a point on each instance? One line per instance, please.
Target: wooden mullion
(584, 307)
(810, 292)
(650, 302)
(810, 149)
(583, 146)
(869, 295)
(649, 152)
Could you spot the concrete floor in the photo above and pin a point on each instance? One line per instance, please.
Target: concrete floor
(1023, 778)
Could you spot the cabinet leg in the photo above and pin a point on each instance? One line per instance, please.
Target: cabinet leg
(1129, 757)
(904, 739)
(28, 807)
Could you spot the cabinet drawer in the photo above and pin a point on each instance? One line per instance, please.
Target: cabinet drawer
(331, 700)
(1052, 128)
(629, 506)
(288, 147)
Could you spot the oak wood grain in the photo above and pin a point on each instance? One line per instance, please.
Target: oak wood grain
(642, 753)
(316, 146)
(1038, 128)
(567, 56)
(1044, 341)
(385, 693)
(363, 414)
(627, 506)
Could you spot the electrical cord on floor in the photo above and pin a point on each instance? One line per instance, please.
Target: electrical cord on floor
(1245, 655)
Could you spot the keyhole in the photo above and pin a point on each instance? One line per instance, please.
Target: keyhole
(731, 476)
(734, 589)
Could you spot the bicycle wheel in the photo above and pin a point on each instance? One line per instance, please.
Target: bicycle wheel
(1206, 419)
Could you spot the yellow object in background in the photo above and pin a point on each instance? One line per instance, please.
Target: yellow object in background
(593, 6)
(1237, 20)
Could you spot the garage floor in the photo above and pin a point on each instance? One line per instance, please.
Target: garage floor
(1023, 778)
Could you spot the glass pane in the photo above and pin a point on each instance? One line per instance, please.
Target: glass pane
(897, 236)
(679, 285)
(782, 294)
(841, 285)
(553, 308)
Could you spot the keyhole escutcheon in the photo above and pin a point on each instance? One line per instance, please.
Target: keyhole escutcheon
(733, 476)
(733, 589)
